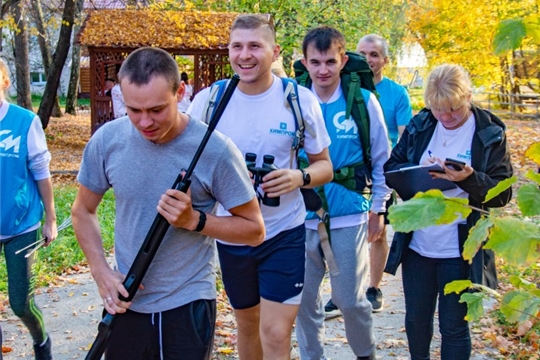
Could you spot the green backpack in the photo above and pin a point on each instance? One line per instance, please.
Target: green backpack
(355, 74)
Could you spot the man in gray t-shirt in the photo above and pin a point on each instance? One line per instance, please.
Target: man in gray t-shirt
(140, 156)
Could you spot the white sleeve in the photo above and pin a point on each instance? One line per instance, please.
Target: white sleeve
(196, 108)
(39, 156)
(380, 152)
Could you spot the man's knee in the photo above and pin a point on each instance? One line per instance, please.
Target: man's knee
(273, 333)
(248, 320)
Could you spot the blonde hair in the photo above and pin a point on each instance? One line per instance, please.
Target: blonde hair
(448, 87)
(5, 75)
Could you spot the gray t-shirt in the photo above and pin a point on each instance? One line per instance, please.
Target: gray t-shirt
(140, 171)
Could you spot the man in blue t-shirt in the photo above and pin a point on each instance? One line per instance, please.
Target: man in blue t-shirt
(397, 110)
(355, 220)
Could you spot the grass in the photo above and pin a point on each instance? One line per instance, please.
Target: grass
(64, 253)
(36, 100)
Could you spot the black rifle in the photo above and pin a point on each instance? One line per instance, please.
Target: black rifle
(157, 232)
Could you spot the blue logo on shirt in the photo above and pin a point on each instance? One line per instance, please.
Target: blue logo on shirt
(282, 130)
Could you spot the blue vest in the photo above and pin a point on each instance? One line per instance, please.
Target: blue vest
(20, 202)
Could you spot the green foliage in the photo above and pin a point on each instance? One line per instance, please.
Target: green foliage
(509, 35)
(64, 252)
(519, 305)
(475, 310)
(477, 235)
(426, 209)
(36, 101)
(457, 286)
(533, 152)
(511, 32)
(528, 198)
(514, 240)
(502, 186)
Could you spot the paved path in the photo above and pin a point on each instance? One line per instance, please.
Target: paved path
(73, 310)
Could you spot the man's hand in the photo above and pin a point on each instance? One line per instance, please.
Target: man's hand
(109, 284)
(282, 181)
(375, 226)
(175, 206)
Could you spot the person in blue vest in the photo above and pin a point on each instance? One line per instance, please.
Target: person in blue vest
(355, 220)
(25, 191)
(397, 111)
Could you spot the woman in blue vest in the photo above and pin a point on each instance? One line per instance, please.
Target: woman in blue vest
(25, 191)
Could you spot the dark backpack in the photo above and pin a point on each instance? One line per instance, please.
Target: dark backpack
(355, 74)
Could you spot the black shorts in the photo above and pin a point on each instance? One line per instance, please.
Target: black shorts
(186, 332)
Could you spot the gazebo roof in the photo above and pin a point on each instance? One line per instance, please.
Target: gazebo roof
(182, 30)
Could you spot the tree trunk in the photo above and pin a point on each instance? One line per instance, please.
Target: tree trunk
(22, 68)
(44, 47)
(60, 55)
(71, 99)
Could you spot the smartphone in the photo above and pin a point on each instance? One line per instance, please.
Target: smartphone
(454, 164)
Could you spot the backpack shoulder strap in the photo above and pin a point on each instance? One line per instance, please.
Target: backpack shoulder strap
(357, 107)
(292, 103)
(216, 92)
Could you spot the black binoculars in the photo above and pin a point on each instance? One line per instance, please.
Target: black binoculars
(260, 172)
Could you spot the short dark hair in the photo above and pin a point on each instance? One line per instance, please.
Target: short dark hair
(184, 77)
(253, 22)
(322, 38)
(145, 63)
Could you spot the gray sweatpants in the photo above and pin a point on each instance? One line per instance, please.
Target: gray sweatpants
(350, 250)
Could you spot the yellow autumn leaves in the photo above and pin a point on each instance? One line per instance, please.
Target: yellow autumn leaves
(165, 29)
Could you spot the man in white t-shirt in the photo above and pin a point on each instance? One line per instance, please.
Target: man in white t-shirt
(265, 283)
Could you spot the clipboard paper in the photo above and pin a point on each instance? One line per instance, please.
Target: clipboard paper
(410, 180)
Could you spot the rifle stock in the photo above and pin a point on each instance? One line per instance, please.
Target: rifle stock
(157, 232)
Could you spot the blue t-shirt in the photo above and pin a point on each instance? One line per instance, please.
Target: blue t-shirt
(396, 106)
(345, 150)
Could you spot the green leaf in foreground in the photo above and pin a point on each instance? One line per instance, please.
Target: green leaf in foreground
(457, 286)
(475, 310)
(520, 283)
(519, 306)
(501, 186)
(533, 152)
(531, 175)
(509, 35)
(477, 235)
(427, 209)
(528, 200)
(515, 240)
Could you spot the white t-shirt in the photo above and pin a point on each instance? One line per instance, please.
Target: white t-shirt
(119, 108)
(261, 124)
(441, 241)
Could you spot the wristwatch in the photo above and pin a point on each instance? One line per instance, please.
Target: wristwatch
(306, 177)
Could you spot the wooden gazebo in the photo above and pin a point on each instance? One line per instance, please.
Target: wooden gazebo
(111, 35)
